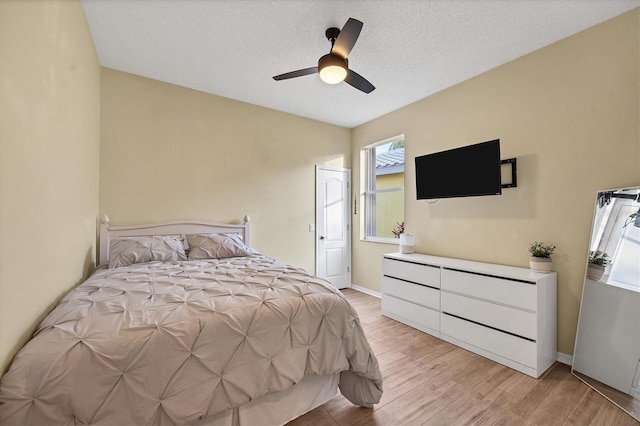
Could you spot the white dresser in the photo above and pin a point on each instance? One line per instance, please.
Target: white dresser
(504, 313)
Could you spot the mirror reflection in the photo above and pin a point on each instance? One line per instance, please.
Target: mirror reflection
(607, 350)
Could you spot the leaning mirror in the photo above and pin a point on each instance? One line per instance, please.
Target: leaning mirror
(607, 351)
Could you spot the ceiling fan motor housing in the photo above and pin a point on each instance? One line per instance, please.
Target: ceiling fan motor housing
(333, 68)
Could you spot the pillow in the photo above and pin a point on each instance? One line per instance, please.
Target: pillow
(217, 246)
(130, 250)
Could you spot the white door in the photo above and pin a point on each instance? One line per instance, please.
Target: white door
(333, 225)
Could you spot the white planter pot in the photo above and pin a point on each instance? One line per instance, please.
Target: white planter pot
(595, 272)
(407, 243)
(540, 264)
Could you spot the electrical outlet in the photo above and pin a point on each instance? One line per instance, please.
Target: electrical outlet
(312, 227)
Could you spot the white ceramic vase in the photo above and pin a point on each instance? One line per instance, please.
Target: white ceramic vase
(407, 243)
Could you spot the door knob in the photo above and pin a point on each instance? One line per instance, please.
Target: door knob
(322, 237)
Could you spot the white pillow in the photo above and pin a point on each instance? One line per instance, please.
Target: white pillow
(131, 250)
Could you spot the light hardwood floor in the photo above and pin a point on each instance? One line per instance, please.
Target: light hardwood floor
(430, 382)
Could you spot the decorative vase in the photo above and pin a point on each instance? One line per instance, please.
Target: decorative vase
(540, 264)
(407, 243)
(595, 272)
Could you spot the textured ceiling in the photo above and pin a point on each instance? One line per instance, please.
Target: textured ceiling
(408, 49)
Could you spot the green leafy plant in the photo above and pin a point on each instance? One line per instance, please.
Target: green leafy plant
(599, 258)
(541, 250)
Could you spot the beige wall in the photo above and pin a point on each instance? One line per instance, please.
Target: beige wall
(569, 114)
(171, 153)
(49, 147)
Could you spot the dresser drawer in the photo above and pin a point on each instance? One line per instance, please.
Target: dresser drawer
(414, 272)
(514, 348)
(495, 289)
(516, 321)
(421, 316)
(416, 293)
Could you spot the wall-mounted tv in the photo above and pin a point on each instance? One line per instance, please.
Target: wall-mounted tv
(461, 172)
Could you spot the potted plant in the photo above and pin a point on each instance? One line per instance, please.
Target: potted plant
(598, 261)
(633, 218)
(540, 260)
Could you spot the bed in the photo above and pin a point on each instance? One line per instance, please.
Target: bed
(184, 323)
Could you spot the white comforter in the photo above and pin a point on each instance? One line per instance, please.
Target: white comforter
(175, 342)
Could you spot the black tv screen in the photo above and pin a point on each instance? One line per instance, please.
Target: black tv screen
(461, 172)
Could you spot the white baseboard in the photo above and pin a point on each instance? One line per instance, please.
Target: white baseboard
(565, 359)
(366, 291)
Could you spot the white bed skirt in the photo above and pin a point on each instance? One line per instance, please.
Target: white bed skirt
(282, 407)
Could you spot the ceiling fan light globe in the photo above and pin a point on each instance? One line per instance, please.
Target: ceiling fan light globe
(333, 74)
(332, 69)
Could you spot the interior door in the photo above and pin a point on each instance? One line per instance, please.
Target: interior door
(333, 225)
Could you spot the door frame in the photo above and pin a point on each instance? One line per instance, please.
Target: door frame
(347, 210)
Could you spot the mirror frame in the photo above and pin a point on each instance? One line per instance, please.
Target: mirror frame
(626, 402)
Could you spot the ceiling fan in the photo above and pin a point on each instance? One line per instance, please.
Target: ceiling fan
(334, 67)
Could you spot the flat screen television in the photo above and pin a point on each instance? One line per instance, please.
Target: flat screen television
(460, 172)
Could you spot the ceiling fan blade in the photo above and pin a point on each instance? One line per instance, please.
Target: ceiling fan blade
(359, 82)
(298, 73)
(347, 37)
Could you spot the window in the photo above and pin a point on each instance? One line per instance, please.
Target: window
(382, 168)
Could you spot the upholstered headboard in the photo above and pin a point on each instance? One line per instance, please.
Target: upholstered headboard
(108, 232)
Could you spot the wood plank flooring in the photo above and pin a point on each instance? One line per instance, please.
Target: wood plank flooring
(430, 382)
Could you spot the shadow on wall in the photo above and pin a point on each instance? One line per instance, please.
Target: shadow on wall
(87, 270)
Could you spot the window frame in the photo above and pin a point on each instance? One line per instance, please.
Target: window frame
(368, 191)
